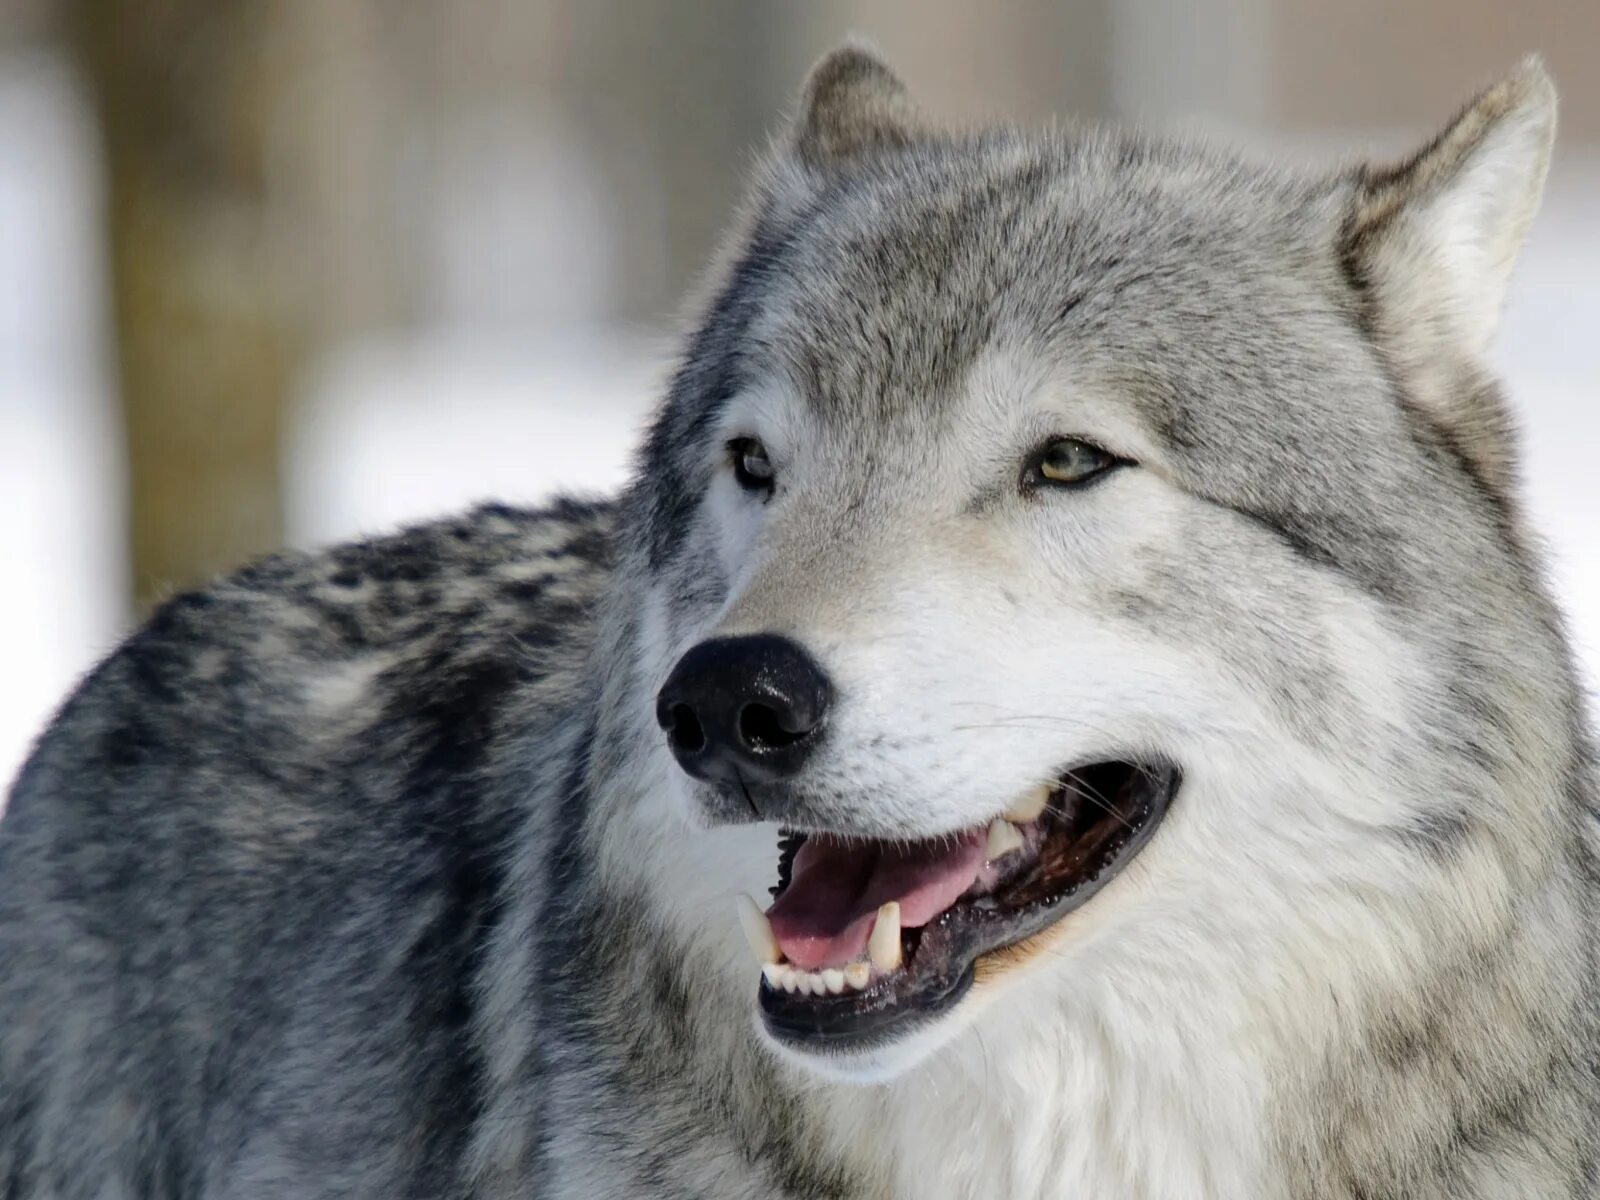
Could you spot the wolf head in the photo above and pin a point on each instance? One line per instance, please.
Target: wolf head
(1096, 556)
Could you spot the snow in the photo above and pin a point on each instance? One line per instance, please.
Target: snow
(61, 570)
(400, 429)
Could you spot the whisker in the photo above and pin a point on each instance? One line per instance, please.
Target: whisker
(1086, 789)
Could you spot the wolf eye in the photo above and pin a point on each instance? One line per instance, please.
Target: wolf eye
(1068, 462)
(751, 466)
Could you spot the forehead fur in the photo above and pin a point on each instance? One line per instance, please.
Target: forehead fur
(1200, 289)
(1100, 251)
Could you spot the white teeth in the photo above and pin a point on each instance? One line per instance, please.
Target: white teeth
(1004, 837)
(830, 981)
(883, 947)
(1029, 806)
(758, 932)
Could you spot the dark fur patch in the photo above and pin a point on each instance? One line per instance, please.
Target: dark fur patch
(1325, 541)
(1438, 832)
(711, 375)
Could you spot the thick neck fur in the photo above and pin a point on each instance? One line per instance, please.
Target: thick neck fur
(1094, 1089)
(1141, 1076)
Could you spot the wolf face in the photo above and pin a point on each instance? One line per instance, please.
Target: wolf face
(1096, 558)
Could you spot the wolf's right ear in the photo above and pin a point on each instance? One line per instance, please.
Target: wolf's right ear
(1431, 243)
(852, 106)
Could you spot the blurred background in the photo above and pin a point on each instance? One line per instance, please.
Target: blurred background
(284, 271)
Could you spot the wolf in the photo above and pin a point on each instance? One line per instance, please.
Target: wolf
(1078, 574)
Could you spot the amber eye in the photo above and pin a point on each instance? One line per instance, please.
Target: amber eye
(1069, 462)
(751, 466)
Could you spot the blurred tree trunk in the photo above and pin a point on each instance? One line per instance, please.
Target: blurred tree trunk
(676, 100)
(184, 90)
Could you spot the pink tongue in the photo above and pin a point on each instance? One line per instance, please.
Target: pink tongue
(825, 915)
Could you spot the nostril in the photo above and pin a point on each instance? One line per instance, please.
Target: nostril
(743, 709)
(684, 731)
(761, 729)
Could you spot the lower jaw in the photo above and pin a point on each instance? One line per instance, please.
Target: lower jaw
(941, 958)
(885, 1012)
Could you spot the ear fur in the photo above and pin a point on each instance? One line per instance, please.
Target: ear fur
(852, 106)
(1431, 242)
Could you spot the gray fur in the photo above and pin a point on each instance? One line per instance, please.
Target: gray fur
(306, 890)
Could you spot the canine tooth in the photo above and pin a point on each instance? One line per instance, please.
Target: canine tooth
(773, 974)
(1004, 837)
(858, 975)
(883, 947)
(758, 932)
(1029, 806)
(833, 980)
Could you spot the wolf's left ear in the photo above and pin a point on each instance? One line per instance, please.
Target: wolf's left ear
(853, 106)
(1432, 242)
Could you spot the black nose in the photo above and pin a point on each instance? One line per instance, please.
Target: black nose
(744, 708)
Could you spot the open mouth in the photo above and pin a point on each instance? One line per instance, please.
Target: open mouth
(867, 938)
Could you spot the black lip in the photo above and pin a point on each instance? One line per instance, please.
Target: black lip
(941, 969)
(880, 1014)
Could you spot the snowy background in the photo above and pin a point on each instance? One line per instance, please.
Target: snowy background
(432, 413)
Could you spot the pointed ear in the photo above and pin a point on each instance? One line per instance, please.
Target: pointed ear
(1431, 242)
(852, 107)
